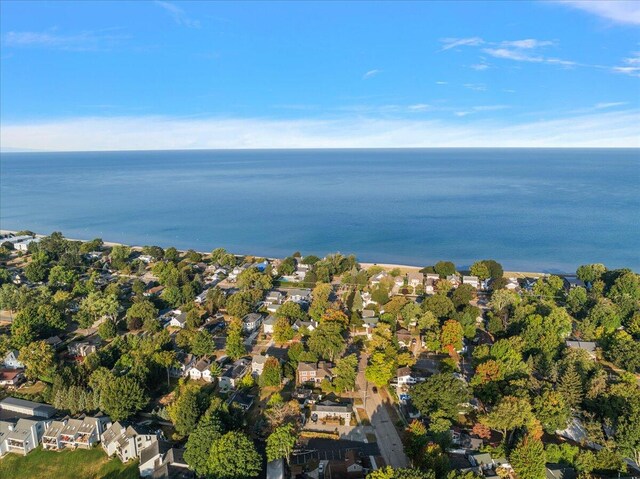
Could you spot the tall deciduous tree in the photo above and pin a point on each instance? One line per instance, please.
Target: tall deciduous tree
(233, 456)
(198, 445)
(121, 397)
(280, 443)
(528, 459)
(235, 347)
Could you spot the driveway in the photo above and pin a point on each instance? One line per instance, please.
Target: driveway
(387, 436)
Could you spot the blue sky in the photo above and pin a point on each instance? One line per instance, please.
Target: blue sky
(144, 75)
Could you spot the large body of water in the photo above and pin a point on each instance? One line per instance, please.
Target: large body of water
(531, 209)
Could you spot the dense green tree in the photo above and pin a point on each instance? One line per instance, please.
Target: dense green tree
(139, 312)
(233, 456)
(327, 341)
(198, 445)
(252, 278)
(451, 336)
(107, 330)
(240, 304)
(345, 373)
(509, 414)
(185, 410)
(39, 361)
(552, 411)
(528, 459)
(235, 347)
(570, 386)
(60, 276)
(280, 443)
(271, 373)
(444, 268)
(36, 271)
(481, 270)
(388, 472)
(282, 330)
(202, 343)
(462, 295)
(440, 392)
(625, 293)
(121, 397)
(380, 369)
(320, 302)
(590, 272)
(441, 306)
(292, 311)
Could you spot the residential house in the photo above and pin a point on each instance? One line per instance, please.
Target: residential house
(257, 364)
(268, 324)
(559, 471)
(233, 275)
(75, 433)
(348, 468)
(51, 436)
(369, 324)
(184, 363)
(404, 376)
(415, 278)
(81, 349)
(331, 410)
(251, 322)
(11, 360)
(243, 401)
(159, 457)
(512, 284)
(202, 297)
(24, 245)
(472, 281)
(21, 435)
(11, 377)
(126, 442)
(154, 291)
(201, 370)
(178, 320)
(571, 282)
(274, 297)
(315, 373)
(233, 373)
(309, 325)
(53, 341)
(588, 346)
(454, 279)
(483, 460)
(377, 278)
(430, 285)
(404, 338)
(299, 295)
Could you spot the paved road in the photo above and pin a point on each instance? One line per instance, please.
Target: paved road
(387, 437)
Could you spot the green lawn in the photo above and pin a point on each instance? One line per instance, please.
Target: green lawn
(79, 464)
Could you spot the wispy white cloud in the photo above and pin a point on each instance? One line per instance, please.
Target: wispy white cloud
(480, 108)
(418, 107)
(601, 129)
(618, 11)
(371, 74)
(442, 83)
(528, 43)
(480, 66)
(611, 104)
(88, 40)
(476, 86)
(178, 14)
(630, 65)
(449, 43)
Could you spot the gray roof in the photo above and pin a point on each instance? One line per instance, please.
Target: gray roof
(151, 451)
(252, 318)
(39, 409)
(328, 406)
(586, 345)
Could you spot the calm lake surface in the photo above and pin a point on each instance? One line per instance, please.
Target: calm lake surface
(531, 209)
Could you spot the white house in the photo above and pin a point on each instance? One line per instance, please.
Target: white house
(22, 435)
(300, 295)
(24, 245)
(233, 374)
(471, 281)
(268, 324)
(11, 360)
(257, 364)
(126, 442)
(251, 322)
(331, 410)
(201, 370)
(404, 376)
(75, 433)
(178, 321)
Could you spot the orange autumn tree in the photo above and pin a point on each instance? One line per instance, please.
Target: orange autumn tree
(334, 315)
(451, 336)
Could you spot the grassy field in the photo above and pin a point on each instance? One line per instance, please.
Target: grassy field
(79, 464)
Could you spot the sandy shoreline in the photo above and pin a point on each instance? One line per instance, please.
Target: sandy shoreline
(404, 268)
